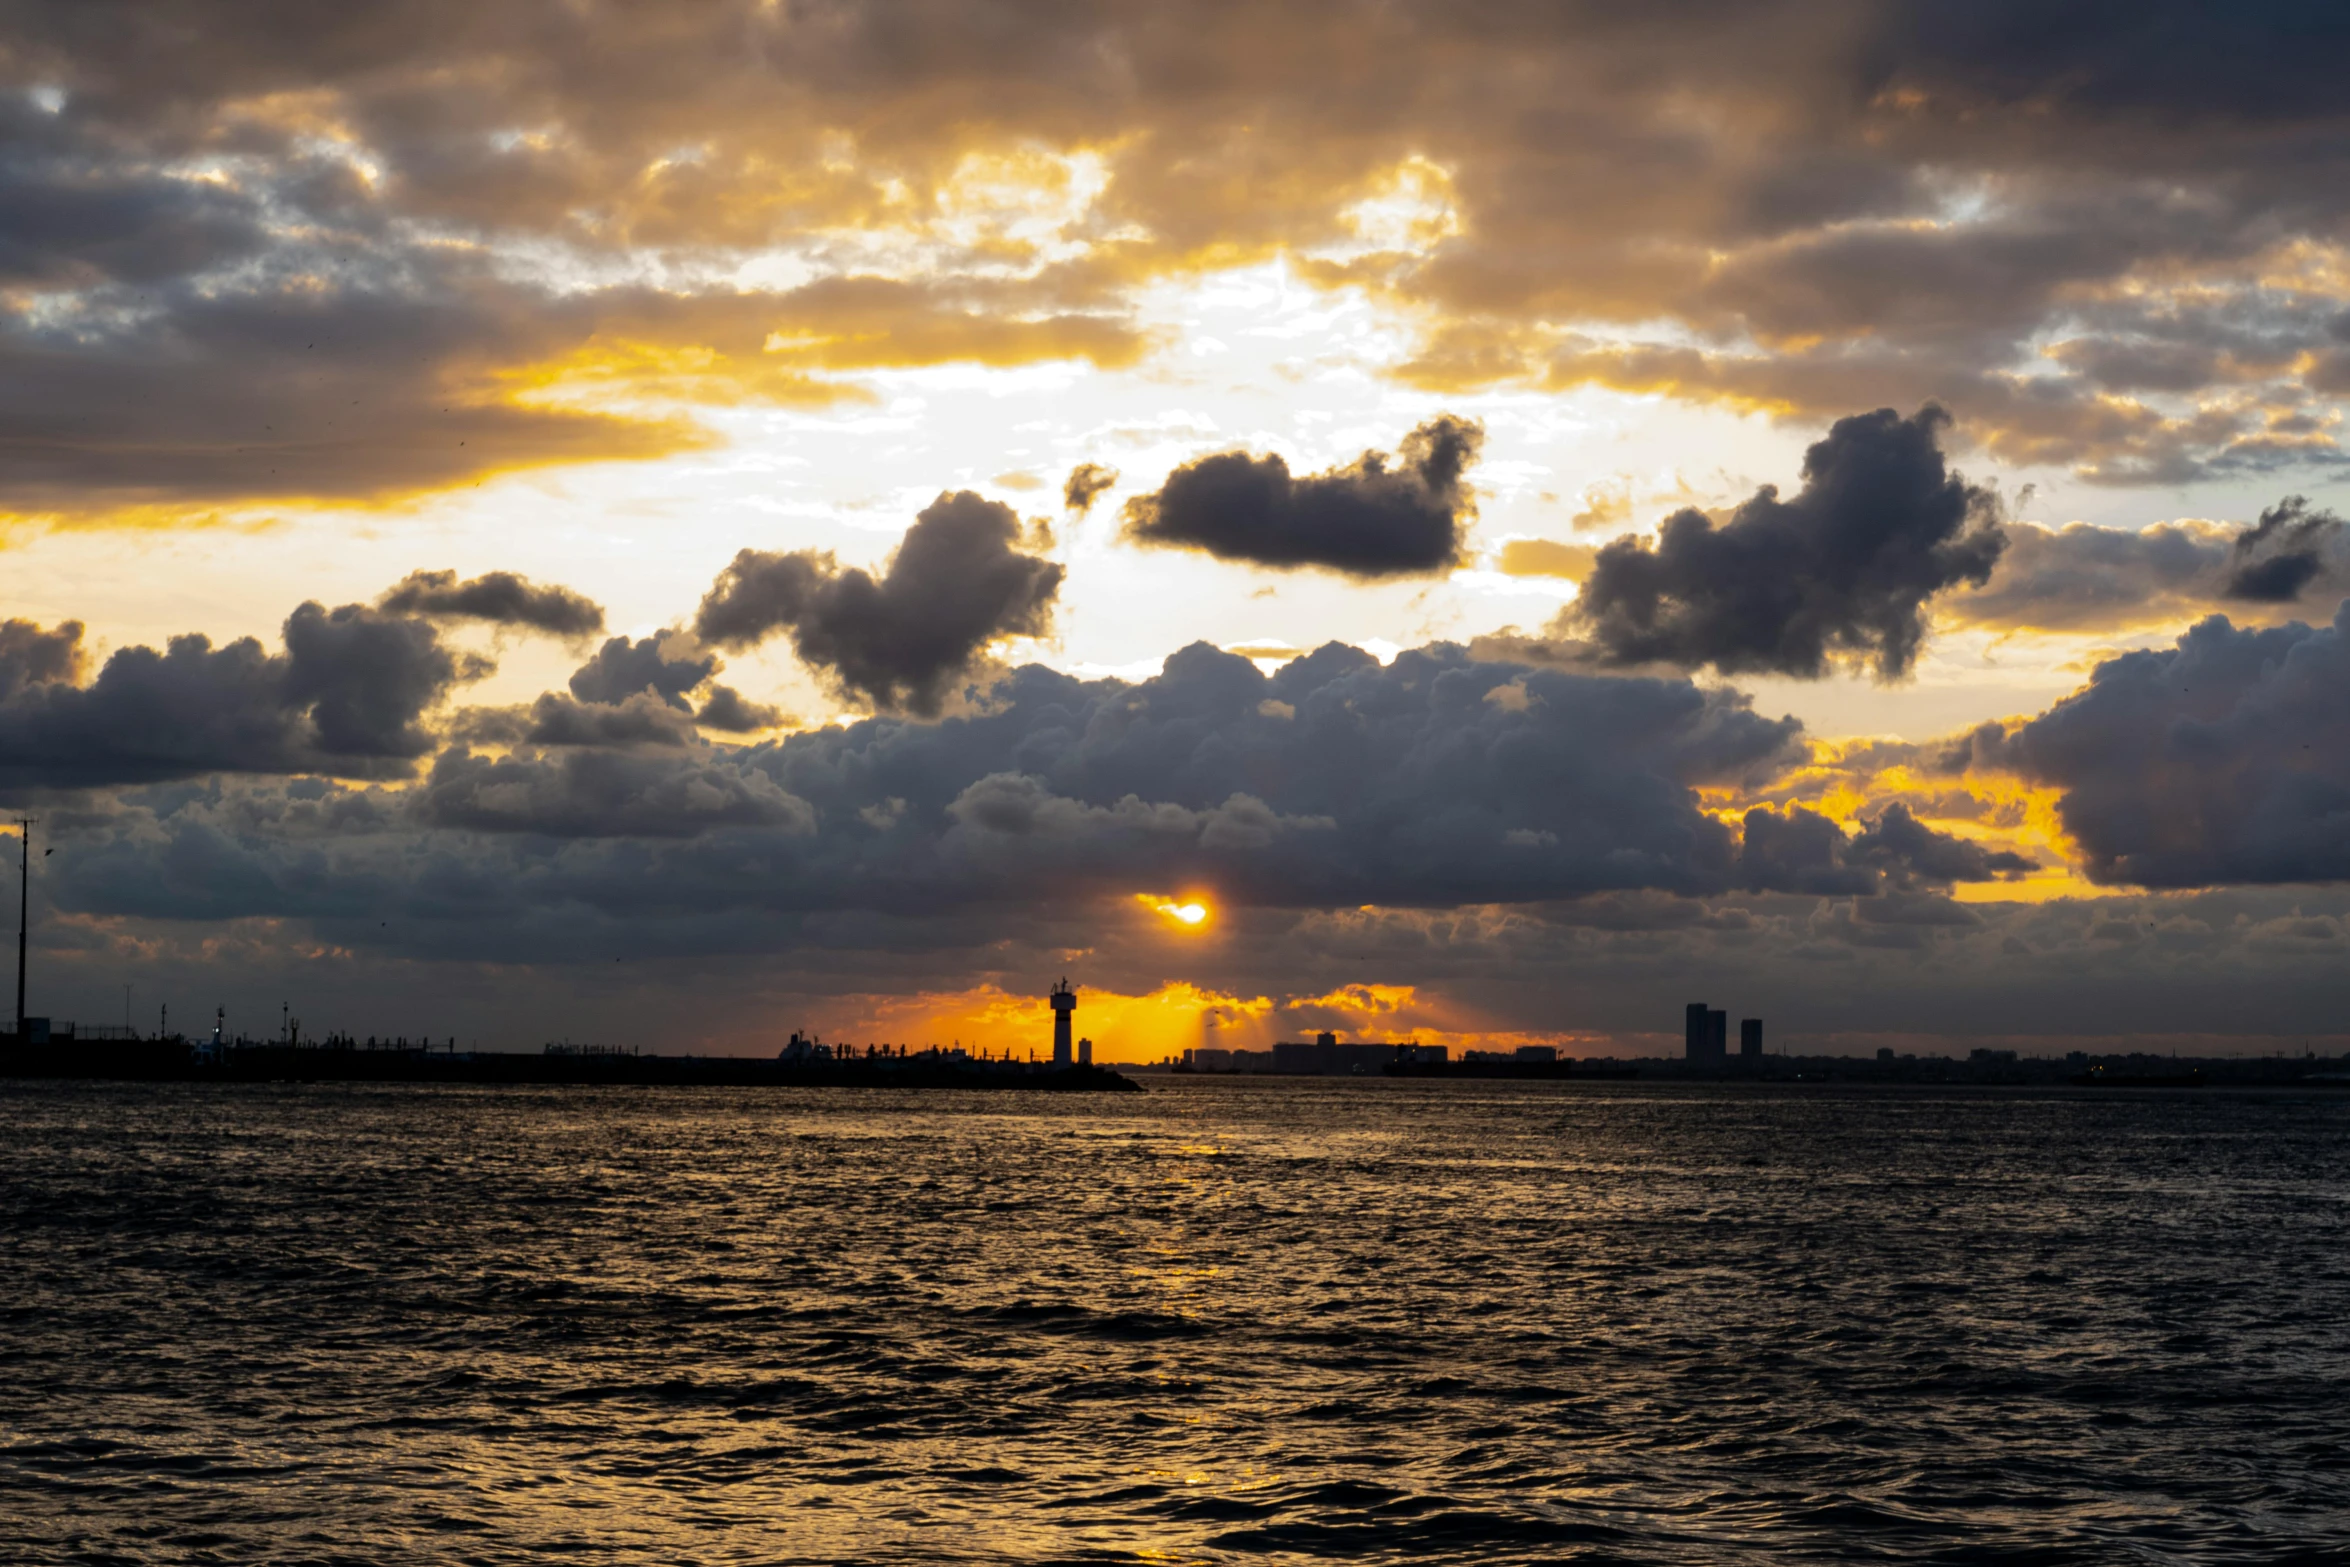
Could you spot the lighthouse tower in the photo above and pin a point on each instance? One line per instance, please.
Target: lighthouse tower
(1064, 1005)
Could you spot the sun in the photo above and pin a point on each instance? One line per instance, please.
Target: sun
(1190, 912)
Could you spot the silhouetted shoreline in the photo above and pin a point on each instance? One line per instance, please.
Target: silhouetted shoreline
(172, 1061)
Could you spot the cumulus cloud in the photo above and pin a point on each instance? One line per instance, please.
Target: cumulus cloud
(1330, 783)
(637, 721)
(730, 712)
(1365, 520)
(957, 584)
(603, 794)
(30, 655)
(1799, 850)
(1085, 485)
(1844, 569)
(499, 597)
(621, 669)
(2225, 758)
(346, 697)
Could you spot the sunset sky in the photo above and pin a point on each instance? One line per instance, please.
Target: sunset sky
(1485, 522)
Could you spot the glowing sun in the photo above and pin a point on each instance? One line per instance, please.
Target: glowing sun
(1191, 913)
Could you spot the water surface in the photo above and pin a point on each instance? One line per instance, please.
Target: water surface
(1223, 1321)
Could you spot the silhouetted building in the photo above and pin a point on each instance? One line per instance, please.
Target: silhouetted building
(1708, 1033)
(1326, 1057)
(1064, 1007)
(1750, 1038)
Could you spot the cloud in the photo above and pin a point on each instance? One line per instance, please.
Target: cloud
(621, 669)
(603, 794)
(32, 656)
(1843, 570)
(2283, 553)
(1085, 485)
(1335, 781)
(729, 711)
(218, 187)
(499, 597)
(1801, 851)
(346, 698)
(637, 721)
(957, 584)
(336, 384)
(2083, 578)
(1547, 558)
(1365, 520)
(2223, 759)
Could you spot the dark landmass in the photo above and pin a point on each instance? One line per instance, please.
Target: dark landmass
(1512, 1070)
(178, 1062)
(1994, 1067)
(1982, 1067)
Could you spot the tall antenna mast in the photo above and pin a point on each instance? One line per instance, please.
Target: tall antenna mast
(24, 905)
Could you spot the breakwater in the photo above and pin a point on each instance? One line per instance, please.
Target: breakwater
(172, 1061)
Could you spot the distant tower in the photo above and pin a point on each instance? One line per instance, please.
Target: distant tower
(1750, 1038)
(1064, 1006)
(1694, 1040)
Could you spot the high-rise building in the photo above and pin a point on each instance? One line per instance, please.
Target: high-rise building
(1708, 1033)
(1750, 1038)
(1064, 1007)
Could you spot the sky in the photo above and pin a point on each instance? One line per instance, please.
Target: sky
(1480, 523)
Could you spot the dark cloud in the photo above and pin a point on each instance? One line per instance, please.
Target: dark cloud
(500, 597)
(2085, 578)
(1910, 852)
(2137, 167)
(1085, 485)
(603, 794)
(637, 721)
(2283, 553)
(2225, 758)
(345, 698)
(329, 381)
(31, 656)
(957, 583)
(1801, 851)
(1366, 520)
(622, 669)
(1844, 569)
(1433, 781)
(730, 712)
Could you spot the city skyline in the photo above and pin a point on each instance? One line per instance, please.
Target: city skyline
(554, 521)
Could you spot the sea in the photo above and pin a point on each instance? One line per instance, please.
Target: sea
(1222, 1320)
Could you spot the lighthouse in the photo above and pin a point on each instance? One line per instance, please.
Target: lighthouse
(1064, 1005)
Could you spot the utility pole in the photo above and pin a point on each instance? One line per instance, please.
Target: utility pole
(24, 907)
